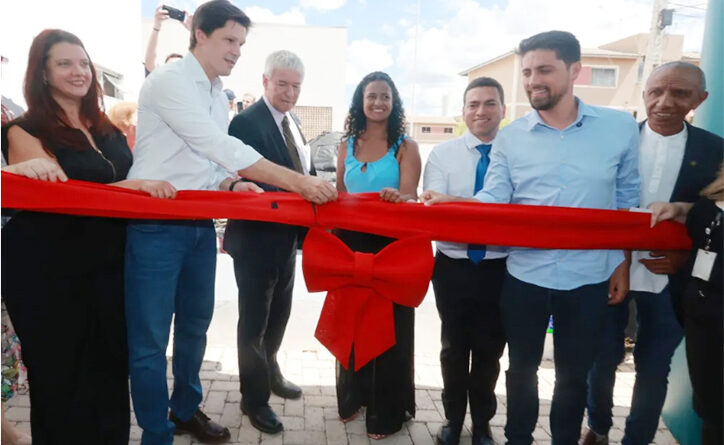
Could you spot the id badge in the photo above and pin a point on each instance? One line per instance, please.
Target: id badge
(704, 264)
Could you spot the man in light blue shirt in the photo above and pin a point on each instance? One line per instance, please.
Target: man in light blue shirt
(564, 153)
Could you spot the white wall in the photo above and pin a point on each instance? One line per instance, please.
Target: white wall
(322, 49)
(110, 31)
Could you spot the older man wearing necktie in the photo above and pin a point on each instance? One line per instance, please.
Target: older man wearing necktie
(265, 253)
(468, 278)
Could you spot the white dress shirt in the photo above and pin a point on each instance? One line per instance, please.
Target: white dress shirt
(660, 159)
(450, 169)
(182, 134)
(302, 148)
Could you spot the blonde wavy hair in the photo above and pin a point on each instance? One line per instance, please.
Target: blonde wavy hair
(123, 115)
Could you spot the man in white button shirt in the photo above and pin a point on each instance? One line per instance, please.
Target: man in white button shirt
(265, 253)
(676, 161)
(170, 265)
(468, 278)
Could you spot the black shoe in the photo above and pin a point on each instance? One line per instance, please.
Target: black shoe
(449, 433)
(482, 435)
(264, 419)
(284, 388)
(202, 428)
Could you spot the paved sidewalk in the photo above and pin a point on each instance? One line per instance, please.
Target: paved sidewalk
(313, 420)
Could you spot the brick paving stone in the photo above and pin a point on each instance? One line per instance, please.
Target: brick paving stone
(276, 439)
(498, 419)
(233, 396)
(304, 438)
(498, 434)
(294, 408)
(358, 439)
(664, 437)
(335, 432)
(231, 415)
(248, 433)
(435, 394)
(440, 408)
(214, 402)
(420, 434)
(292, 423)
(541, 434)
(320, 401)
(17, 413)
(398, 438)
(423, 400)
(314, 418)
(356, 426)
(331, 413)
(224, 385)
(135, 433)
(427, 415)
(19, 400)
(615, 435)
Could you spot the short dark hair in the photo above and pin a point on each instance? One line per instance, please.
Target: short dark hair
(213, 15)
(485, 82)
(564, 44)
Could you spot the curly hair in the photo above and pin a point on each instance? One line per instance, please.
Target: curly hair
(356, 122)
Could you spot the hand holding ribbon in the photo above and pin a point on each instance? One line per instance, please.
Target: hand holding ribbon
(361, 289)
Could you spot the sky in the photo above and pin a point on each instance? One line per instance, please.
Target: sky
(454, 35)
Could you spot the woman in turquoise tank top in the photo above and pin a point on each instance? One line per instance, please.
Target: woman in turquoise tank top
(376, 156)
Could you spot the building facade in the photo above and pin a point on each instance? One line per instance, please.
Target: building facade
(611, 75)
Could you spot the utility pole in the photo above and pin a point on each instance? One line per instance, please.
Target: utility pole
(660, 18)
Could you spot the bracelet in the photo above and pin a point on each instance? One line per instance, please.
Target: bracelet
(156, 29)
(233, 183)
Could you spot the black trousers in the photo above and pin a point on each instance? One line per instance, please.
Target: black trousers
(472, 334)
(265, 301)
(73, 335)
(704, 323)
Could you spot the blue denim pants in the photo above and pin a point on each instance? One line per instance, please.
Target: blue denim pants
(659, 333)
(169, 270)
(577, 319)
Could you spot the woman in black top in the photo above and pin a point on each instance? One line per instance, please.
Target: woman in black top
(62, 275)
(703, 310)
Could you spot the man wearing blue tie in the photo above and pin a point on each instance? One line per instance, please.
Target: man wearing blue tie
(468, 278)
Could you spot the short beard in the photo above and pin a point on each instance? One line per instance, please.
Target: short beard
(546, 104)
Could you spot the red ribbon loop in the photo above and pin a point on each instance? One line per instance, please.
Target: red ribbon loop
(358, 310)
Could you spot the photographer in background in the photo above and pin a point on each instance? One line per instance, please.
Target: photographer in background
(161, 14)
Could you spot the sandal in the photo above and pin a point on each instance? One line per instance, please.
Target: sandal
(376, 436)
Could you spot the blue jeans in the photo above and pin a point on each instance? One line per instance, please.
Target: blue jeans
(170, 269)
(659, 333)
(577, 317)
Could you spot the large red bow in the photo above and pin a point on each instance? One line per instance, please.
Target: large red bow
(362, 288)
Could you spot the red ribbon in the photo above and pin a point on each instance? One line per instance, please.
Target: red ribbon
(497, 224)
(361, 289)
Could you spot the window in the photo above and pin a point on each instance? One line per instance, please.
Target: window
(448, 130)
(603, 77)
(425, 129)
(110, 81)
